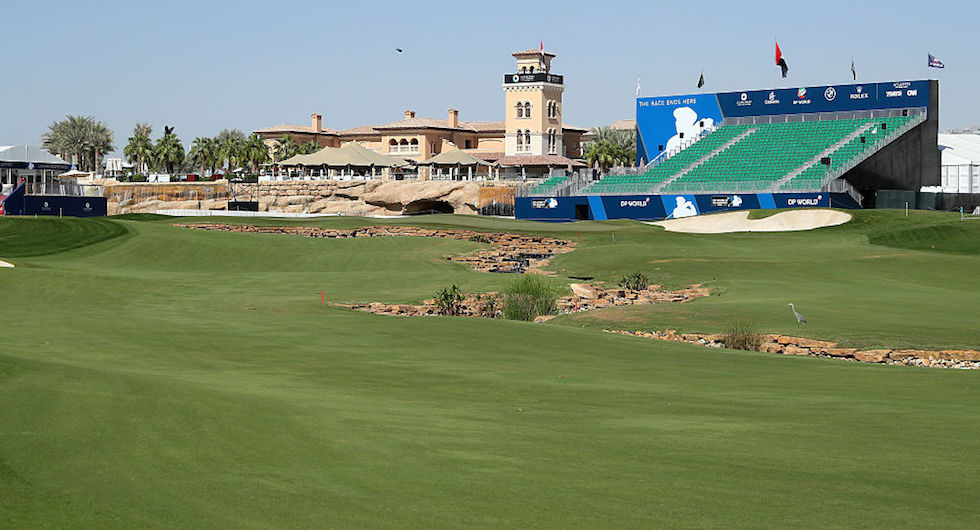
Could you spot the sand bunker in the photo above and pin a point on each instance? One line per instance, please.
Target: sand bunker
(6, 264)
(723, 223)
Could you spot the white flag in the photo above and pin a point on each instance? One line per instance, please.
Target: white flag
(637, 86)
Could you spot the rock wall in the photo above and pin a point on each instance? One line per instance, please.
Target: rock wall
(787, 345)
(369, 197)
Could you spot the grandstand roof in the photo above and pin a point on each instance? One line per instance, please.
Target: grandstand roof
(959, 149)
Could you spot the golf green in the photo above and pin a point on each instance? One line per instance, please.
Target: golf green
(153, 376)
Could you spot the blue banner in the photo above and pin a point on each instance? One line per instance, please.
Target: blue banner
(658, 207)
(663, 123)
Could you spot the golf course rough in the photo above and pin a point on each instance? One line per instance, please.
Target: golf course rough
(182, 378)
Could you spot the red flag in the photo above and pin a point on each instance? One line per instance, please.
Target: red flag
(542, 44)
(780, 62)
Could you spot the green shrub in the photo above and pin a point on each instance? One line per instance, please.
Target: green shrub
(634, 282)
(742, 335)
(489, 305)
(480, 239)
(450, 301)
(530, 296)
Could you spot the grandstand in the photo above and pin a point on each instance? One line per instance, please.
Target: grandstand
(758, 157)
(809, 146)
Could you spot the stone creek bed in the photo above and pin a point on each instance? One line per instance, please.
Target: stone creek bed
(510, 253)
(787, 345)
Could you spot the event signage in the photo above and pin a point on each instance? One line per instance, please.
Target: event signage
(671, 122)
(537, 77)
(657, 207)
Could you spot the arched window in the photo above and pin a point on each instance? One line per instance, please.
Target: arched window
(414, 145)
(520, 109)
(523, 69)
(393, 146)
(527, 109)
(531, 69)
(527, 140)
(520, 140)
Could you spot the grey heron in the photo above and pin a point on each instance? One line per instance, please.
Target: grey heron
(800, 319)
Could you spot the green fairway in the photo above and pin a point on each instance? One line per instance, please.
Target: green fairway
(153, 376)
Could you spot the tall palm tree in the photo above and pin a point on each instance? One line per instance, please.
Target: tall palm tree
(139, 151)
(81, 137)
(229, 147)
(255, 152)
(204, 151)
(169, 151)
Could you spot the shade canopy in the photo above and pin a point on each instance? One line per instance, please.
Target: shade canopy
(455, 157)
(349, 154)
(30, 157)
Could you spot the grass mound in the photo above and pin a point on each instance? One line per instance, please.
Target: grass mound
(22, 237)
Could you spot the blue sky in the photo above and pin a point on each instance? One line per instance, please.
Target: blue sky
(203, 66)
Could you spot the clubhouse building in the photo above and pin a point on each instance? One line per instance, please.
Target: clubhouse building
(531, 141)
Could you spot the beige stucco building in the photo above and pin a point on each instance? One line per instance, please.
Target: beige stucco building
(531, 140)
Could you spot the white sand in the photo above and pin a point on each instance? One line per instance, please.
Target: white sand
(723, 223)
(6, 264)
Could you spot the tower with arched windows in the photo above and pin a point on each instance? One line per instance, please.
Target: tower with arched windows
(532, 97)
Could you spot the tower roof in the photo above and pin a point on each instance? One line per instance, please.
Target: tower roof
(532, 53)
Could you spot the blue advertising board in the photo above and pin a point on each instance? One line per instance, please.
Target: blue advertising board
(659, 207)
(665, 122)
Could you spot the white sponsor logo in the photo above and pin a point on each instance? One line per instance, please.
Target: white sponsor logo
(804, 201)
(903, 84)
(830, 94)
(634, 203)
(893, 93)
(912, 93)
(744, 100)
(772, 99)
(861, 94)
(736, 201)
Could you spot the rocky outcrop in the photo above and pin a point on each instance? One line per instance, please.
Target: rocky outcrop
(414, 197)
(508, 252)
(345, 197)
(788, 345)
(584, 297)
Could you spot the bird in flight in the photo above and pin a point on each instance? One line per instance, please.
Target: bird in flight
(399, 50)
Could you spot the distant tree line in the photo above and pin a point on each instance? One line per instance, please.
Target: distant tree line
(86, 139)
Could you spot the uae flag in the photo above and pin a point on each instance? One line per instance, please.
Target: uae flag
(780, 62)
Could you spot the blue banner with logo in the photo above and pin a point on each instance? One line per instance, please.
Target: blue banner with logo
(659, 207)
(663, 123)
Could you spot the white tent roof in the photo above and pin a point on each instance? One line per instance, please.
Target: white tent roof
(959, 149)
(28, 154)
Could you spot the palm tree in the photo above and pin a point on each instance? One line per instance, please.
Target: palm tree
(308, 148)
(609, 147)
(138, 151)
(255, 152)
(286, 148)
(169, 151)
(204, 151)
(229, 147)
(142, 129)
(81, 137)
